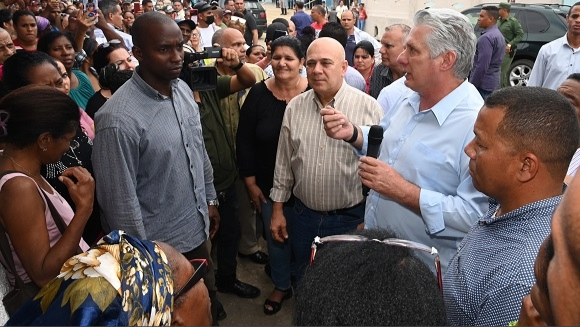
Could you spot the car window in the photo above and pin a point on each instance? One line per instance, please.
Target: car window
(251, 5)
(537, 23)
(521, 16)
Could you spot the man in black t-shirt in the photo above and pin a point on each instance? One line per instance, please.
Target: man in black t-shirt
(251, 33)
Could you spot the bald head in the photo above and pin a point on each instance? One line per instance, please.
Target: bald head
(325, 67)
(332, 46)
(147, 24)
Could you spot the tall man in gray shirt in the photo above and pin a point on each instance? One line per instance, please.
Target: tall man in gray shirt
(155, 178)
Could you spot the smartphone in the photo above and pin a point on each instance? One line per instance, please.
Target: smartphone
(279, 33)
(193, 12)
(136, 7)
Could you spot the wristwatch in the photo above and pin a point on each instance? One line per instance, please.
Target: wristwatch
(214, 202)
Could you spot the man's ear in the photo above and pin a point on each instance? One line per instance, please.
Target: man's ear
(137, 53)
(529, 165)
(449, 59)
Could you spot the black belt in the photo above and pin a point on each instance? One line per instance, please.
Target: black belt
(339, 212)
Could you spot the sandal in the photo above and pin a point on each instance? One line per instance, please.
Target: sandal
(276, 306)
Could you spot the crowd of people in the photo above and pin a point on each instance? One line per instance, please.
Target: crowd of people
(123, 177)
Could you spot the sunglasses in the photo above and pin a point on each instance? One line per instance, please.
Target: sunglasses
(108, 44)
(389, 241)
(200, 268)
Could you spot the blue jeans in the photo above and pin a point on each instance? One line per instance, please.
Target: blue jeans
(308, 224)
(280, 253)
(361, 24)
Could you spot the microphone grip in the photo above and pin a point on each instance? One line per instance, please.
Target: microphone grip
(374, 145)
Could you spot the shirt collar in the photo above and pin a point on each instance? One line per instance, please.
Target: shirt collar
(337, 97)
(520, 213)
(147, 89)
(445, 106)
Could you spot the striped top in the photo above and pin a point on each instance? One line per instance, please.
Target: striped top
(321, 171)
(573, 167)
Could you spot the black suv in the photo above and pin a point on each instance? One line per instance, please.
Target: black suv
(259, 14)
(541, 23)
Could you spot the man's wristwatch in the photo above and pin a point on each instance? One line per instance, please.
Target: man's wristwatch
(213, 203)
(238, 66)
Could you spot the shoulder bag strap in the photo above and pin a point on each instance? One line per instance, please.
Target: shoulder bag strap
(7, 259)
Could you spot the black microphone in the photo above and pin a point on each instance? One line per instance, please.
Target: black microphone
(374, 145)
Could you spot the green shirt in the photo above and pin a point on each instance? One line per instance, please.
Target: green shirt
(511, 29)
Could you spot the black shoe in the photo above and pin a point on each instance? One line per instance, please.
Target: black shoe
(258, 257)
(221, 313)
(240, 289)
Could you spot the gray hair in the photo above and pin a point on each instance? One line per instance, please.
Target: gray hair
(406, 29)
(218, 37)
(450, 31)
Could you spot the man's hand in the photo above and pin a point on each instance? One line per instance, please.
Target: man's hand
(84, 21)
(386, 181)
(229, 57)
(336, 124)
(278, 226)
(214, 220)
(256, 197)
(508, 48)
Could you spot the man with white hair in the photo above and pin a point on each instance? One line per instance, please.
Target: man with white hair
(420, 183)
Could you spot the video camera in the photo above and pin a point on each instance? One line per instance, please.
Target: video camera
(200, 78)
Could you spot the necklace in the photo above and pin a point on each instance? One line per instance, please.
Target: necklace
(291, 91)
(75, 156)
(17, 164)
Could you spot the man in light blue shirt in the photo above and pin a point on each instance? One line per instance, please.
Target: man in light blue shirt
(420, 183)
(559, 58)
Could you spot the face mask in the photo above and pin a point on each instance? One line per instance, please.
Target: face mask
(209, 20)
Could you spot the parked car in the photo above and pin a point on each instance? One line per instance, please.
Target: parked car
(541, 24)
(259, 13)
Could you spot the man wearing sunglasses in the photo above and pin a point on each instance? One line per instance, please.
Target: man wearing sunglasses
(524, 141)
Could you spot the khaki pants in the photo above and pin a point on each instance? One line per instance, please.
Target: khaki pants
(248, 239)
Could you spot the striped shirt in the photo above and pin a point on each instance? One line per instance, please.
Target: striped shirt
(321, 171)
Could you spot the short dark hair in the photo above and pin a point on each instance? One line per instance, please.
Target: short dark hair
(58, 114)
(493, 11)
(290, 42)
(281, 20)
(17, 67)
(21, 13)
(101, 56)
(249, 49)
(307, 37)
(299, 4)
(368, 284)
(145, 2)
(336, 31)
(47, 39)
(574, 77)
(5, 16)
(320, 9)
(572, 7)
(538, 120)
(140, 28)
(366, 46)
(273, 28)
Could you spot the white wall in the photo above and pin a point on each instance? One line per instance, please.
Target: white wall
(382, 13)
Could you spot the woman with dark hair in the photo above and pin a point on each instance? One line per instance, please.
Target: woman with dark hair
(26, 30)
(85, 62)
(255, 53)
(25, 68)
(128, 19)
(107, 53)
(62, 46)
(257, 144)
(6, 22)
(364, 61)
(34, 135)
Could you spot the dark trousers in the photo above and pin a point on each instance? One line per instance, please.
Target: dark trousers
(308, 224)
(227, 237)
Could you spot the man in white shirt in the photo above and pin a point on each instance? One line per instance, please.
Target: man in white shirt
(205, 24)
(178, 7)
(559, 58)
(355, 36)
(113, 16)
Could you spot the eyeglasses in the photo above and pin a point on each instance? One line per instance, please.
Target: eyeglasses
(199, 270)
(389, 241)
(110, 43)
(195, 34)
